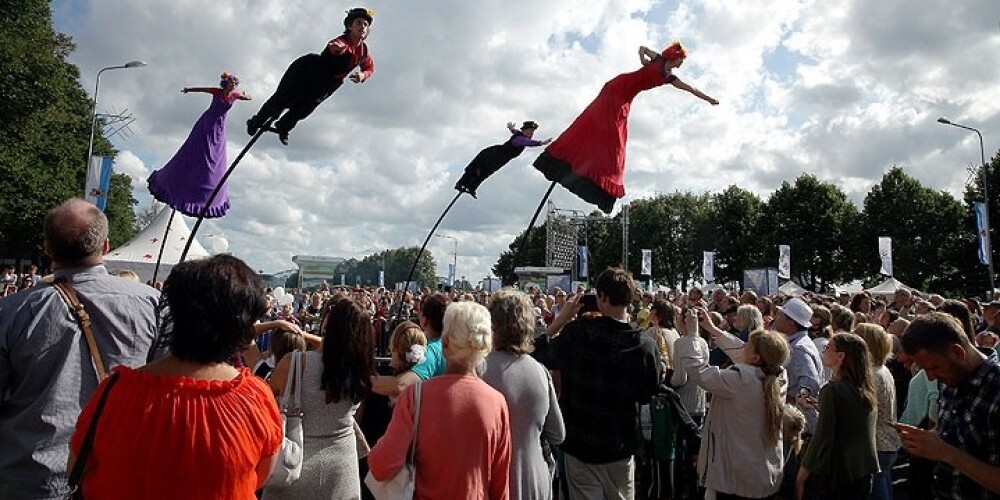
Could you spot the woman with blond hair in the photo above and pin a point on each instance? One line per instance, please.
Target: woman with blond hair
(527, 387)
(841, 456)
(887, 440)
(741, 448)
(462, 441)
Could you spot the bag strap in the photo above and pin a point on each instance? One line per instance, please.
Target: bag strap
(76, 475)
(291, 383)
(299, 376)
(416, 422)
(73, 301)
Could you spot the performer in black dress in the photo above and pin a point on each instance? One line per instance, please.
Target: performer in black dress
(310, 79)
(493, 158)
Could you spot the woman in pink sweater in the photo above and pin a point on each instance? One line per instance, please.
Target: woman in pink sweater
(463, 438)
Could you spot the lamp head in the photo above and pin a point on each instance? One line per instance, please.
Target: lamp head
(944, 121)
(135, 64)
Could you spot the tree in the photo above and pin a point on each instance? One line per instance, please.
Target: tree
(675, 228)
(974, 272)
(534, 255)
(396, 262)
(735, 219)
(925, 227)
(44, 132)
(819, 223)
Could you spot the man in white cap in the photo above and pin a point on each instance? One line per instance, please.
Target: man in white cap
(804, 369)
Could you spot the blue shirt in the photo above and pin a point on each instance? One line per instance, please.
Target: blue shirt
(46, 372)
(433, 363)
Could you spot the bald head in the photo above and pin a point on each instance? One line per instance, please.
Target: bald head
(76, 233)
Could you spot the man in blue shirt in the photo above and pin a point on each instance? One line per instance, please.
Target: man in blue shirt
(46, 371)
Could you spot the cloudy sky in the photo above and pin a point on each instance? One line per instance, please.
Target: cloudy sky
(843, 90)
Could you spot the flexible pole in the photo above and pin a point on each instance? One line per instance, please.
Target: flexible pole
(163, 245)
(527, 232)
(416, 261)
(218, 187)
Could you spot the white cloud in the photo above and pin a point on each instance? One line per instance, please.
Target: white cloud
(843, 90)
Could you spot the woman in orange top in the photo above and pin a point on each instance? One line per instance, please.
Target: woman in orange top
(189, 425)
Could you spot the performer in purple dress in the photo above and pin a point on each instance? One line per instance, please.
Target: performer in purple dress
(493, 158)
(187, 180)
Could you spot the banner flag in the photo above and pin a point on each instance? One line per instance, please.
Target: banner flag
(98, 180)
(885, 253)
(982, 223)
(784, 262)
(582, 263)
(708, 267)
(647, 262)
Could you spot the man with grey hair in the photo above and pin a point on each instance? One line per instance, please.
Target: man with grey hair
(47, 372)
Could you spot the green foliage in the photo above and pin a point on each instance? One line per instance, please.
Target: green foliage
(736, 223)
(926, 228)
(397, 263)
(534, 255)
(44, 131)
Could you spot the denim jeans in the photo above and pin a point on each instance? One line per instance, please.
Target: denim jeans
(882, 486)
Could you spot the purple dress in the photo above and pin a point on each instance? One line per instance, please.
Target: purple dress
(188, 179)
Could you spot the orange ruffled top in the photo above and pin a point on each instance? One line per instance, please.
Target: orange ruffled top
(175, 437)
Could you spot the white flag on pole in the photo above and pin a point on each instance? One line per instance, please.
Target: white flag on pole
(647, 262)
(708, 267)
(885, 253)
(784, 262)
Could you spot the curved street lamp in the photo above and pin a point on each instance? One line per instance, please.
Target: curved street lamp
(986, 198)
(93, 113)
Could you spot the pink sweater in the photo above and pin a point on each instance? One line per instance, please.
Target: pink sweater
(463, 441)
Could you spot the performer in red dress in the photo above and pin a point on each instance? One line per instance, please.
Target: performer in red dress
(589, 157)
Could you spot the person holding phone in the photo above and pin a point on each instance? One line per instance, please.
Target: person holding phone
(966, 442)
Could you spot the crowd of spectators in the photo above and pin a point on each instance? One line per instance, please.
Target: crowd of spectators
(608, 392)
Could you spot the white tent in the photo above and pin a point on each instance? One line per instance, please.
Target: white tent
(791, 288)
(888, 287)
(139, 254)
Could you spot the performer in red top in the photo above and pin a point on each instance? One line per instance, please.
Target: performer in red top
(589, 157)
(310, 79)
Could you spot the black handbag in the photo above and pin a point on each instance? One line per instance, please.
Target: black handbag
(76, 475)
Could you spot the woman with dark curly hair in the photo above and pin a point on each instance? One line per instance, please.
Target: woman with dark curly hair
(334, 382)
(189, 425)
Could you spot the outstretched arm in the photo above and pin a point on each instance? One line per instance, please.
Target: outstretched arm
(206, 90)
(511, 127)
(244, 97)
(647, 55)
(677, 82)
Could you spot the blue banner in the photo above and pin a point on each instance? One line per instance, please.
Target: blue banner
(982, 226)
(98, 180)
(582, 265)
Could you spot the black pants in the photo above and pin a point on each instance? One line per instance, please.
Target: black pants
(727, 496)
(307, 82)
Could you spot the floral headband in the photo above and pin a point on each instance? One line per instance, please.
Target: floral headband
(416, 353)
(229, 77)
(674, 51)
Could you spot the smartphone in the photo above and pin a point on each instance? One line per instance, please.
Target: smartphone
(805, 392)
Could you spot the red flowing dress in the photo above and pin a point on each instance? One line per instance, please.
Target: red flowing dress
(589, 157)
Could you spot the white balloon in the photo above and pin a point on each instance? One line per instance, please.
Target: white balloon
(278, 292)
(286, 300)
(219, 244)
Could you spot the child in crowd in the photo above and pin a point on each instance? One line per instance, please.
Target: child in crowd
(406, 346)
(282, 343)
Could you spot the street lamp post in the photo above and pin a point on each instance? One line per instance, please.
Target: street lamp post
(93, 113)
(454, 267)
(986, 199)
